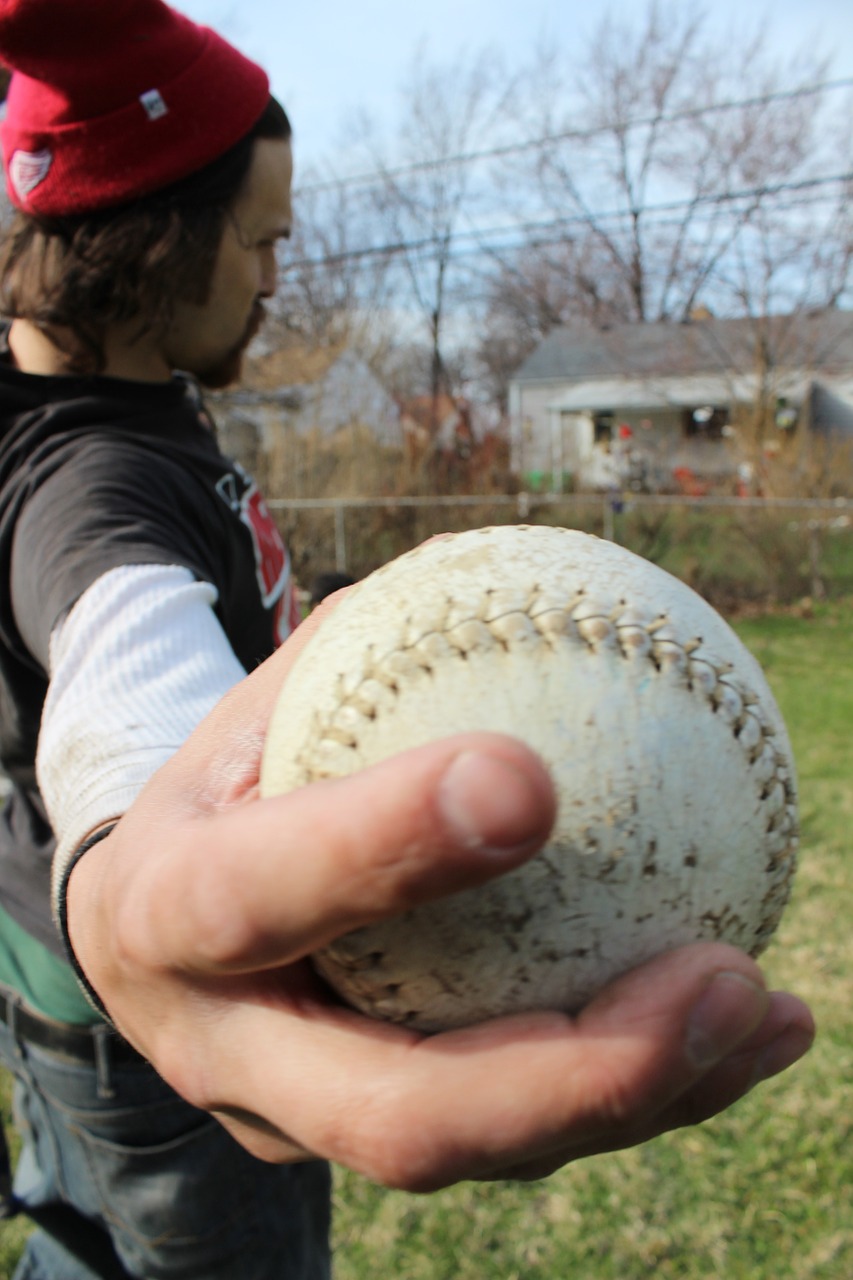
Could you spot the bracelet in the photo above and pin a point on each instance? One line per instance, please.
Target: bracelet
(62, 916)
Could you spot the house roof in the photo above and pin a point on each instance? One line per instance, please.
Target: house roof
(818, 342)
(646, 394)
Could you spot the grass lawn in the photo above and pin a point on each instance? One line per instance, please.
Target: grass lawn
(762, 1193)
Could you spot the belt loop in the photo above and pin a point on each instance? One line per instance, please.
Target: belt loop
(103, 1061)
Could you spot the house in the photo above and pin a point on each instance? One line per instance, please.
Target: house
(324, 391)
(664, 405)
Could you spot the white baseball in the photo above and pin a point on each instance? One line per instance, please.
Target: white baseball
(677, 795)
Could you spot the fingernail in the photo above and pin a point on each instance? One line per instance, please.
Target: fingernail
(724, 1015)
(782, 1053)
(489, 804)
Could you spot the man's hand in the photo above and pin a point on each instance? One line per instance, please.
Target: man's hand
(194, 918)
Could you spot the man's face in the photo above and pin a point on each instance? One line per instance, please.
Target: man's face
(209, 339)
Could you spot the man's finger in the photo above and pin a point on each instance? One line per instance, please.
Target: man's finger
(422, 1112)
(785, 1034)
(267, 882)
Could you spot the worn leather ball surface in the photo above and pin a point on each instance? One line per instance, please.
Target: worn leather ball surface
(677, 795)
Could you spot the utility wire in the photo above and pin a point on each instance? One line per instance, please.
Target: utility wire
(483, 236)
(577, 135)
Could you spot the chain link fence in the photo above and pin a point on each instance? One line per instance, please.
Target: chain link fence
(737, 552)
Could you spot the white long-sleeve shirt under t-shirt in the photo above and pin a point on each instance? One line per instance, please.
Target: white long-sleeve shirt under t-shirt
(135, 665)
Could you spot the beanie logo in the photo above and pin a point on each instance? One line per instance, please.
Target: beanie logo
(153, 103)
(27, 169)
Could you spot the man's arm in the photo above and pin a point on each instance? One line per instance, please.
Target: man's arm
(134, 666)
(193, 920)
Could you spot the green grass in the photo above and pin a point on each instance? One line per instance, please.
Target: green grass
(12, 1234)
(764, 1192)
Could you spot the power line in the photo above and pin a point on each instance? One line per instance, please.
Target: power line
(564, 223)
(569, 135)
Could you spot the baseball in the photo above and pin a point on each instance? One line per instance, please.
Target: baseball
(677, 813)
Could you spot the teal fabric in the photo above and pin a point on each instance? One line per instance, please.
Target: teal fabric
(46, 983)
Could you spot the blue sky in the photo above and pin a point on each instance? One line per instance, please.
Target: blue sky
(330, 59)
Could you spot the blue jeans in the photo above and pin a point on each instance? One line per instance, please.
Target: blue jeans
(176, 1196)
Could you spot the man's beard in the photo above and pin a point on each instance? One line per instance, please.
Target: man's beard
(228, 367)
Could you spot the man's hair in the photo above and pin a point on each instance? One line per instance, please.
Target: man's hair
(87, 272)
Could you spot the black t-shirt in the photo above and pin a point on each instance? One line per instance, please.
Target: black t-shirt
(96, 473)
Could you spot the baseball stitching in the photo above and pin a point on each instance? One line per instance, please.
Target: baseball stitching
(581, 621)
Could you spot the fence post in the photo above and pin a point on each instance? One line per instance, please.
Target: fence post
(607, 518)
(340, 539)
(818, 585)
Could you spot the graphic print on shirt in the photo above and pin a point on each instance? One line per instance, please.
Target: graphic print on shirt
(272, 562)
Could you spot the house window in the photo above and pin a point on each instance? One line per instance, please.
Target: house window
(705, 422)
(602, 427)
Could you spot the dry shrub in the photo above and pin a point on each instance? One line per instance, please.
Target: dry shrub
(373, 535)
(803, 464)
(351, 464)
(737, 557)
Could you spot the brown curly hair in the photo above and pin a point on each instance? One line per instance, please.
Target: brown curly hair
(83, 274)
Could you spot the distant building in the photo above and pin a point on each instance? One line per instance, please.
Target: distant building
(321, 391)
(655, 405)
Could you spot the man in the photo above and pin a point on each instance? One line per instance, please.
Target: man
(142, 578)
(142, 574)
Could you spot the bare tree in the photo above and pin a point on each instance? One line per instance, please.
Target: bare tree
(531, 290)
(667, 169)
(333, 282)
(660, 169)
(426, 192)
(666, 146)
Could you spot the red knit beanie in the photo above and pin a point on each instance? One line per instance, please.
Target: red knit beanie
(113, 99)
